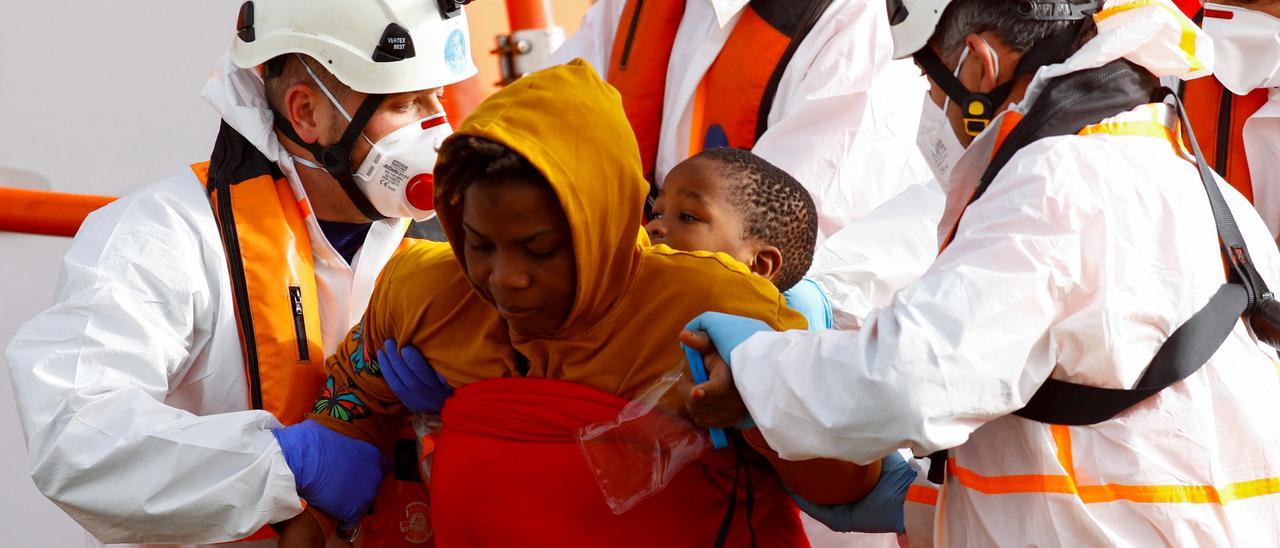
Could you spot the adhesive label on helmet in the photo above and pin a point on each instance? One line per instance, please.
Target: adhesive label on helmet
(455, 51)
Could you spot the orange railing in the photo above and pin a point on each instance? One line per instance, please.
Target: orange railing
(48, 213)
(61, 214)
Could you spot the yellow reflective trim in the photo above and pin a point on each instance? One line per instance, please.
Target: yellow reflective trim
(1138, 129)
(1187, 43)
(922, 494)
(1062, 438)
(1133, 128)
(1112, 492)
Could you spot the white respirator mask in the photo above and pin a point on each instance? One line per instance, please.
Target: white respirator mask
(394, 180)
(936, 138)
(938, 141)
(396, 174)
(1247, 45)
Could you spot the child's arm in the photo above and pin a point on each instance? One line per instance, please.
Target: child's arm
(820, 481)
(356, 400)
(310, 529)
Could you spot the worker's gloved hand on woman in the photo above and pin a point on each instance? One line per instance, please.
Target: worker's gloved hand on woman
(337, 474)
(716, 402)
(412, 378)
(878, 512)
(726, 331)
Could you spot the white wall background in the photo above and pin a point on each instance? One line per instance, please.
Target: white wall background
(97, 98)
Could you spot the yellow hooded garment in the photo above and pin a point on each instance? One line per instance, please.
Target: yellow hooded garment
(631, 301)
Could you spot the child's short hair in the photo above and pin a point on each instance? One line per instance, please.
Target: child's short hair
(776, 209)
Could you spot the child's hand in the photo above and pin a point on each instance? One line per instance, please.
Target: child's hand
(301, 531)
(715, 403)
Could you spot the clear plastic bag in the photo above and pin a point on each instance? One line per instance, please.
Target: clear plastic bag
(638, 453)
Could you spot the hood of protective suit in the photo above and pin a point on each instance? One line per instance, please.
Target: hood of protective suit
(594, 169)
(1153, 34)
(240, 99)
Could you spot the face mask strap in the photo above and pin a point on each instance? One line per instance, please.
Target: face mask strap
(336, 158)
(977, 110)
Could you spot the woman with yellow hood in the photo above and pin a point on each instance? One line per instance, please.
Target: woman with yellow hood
(549, 311)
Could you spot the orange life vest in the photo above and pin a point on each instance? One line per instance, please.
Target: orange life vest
(270, 262)
(1218, 118)
(273, 284)
(733, 100)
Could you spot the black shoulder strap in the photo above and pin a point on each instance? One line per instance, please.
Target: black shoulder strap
(1191, 344)
(1070, 103)
(1194, 342)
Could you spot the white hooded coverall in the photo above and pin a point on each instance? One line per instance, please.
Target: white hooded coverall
(131, 387)
(1262, 148)
(1081, 258)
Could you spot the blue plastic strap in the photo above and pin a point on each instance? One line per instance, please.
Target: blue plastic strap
(699, 371)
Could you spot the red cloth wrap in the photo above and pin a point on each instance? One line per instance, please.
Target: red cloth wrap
(508, 471)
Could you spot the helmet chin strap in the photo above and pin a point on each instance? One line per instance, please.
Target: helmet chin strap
(979, 109)
(336, 158)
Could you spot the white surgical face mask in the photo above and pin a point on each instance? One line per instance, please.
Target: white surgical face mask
(1247, 45)
(396, 173)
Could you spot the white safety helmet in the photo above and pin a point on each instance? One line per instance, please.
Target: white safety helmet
(372, 46)
(912, 22)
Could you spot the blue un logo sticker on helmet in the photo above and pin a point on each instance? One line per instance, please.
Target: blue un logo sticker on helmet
(455, 51)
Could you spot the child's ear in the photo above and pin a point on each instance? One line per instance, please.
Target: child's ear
(767, 262)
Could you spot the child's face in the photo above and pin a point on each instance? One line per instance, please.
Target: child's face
(519, 252)
(693, 213)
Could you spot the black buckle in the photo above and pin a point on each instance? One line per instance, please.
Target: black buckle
(1056, 10)
(451, 8)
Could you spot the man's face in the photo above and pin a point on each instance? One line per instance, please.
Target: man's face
(395, 112)
(519, 253)
(693, 212)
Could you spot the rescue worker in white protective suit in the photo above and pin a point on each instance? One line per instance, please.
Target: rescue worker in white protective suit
(1079, 258)
(146, 418)
(1246, 38)
(839, 114)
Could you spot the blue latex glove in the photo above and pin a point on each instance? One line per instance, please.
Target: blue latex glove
(726, 330)
(879, 512)
(808, 299)
(334, 473)
(412, 378)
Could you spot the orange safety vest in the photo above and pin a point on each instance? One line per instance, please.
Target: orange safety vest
(1218, 118)
(269, 258)
(273, 284)
(733, 101)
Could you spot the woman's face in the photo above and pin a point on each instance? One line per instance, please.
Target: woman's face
(519, 252)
